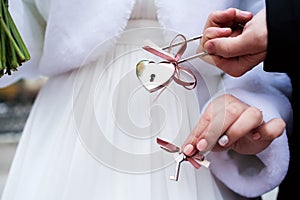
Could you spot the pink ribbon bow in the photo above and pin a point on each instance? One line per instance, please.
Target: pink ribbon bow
(175, 60)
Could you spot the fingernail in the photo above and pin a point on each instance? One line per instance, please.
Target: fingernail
(202, 145)
(223, 140)
(225, 30)
(188, 149)
(245, 13)
(256, 136)
(209, 47)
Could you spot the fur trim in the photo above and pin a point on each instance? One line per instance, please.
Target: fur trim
(252, 176)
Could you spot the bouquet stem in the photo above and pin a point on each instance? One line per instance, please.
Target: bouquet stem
(13, 51)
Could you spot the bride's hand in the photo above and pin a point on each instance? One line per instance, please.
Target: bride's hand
(230, 123)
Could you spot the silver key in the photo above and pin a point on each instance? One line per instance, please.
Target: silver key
(179, 158)
(196, 160)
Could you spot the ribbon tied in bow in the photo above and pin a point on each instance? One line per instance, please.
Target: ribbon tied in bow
(155, 76)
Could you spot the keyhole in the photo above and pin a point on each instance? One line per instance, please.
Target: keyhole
(152, 76)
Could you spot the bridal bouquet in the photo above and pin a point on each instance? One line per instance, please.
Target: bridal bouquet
(13, 51)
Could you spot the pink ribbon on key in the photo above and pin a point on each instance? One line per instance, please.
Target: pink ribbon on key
(196, 160)
(175, 60)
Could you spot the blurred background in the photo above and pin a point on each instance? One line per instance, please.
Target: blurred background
(15, 104)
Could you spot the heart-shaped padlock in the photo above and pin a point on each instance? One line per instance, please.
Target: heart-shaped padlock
(154, 76)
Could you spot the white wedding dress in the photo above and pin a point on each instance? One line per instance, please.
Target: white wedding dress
(92, 130)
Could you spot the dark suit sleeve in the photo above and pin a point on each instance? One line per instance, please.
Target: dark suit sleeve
(283, 23)
(283, 55)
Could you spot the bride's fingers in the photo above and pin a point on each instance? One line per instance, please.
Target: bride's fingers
(269, 130)
(250, 119)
